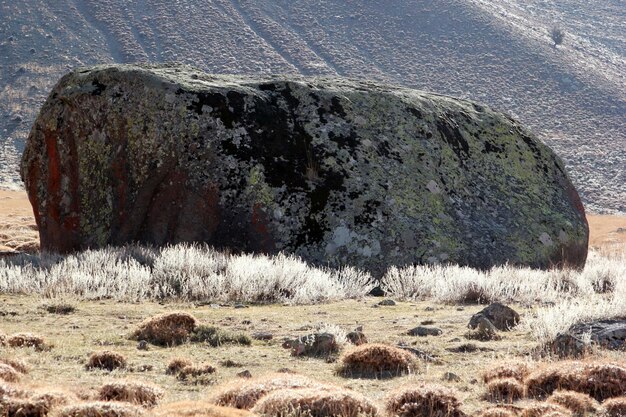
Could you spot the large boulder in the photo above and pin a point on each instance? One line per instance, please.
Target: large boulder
(336, 171)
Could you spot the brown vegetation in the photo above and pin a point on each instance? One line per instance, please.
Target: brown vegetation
(11, 407)
(100, 409)
(313, 402)
(244, 395)
(26, 340)
(544, 410)
(107, 360)
(497, 412)
(377, 361)
(504, 390)
(600, 380)
(133, 392)
(615, 407)
(176, 365)
(193, 371)
(424, 401)
(8, 373)
(517, 371)
(578, 403)
(17, 364)
(198, 409)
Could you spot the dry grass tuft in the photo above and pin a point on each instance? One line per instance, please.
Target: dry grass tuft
(54, 398)
(578, 403)
(20, 340)
(194, 371)
(244, 395)
(377, 361)
(600, 380)
(497, 412)
(17, 364)
(424, 401)
(545, 410)
(8, 390)
(214, 336)
(100, 409)
(517, 371)
(8, 373)
(132, 392)
(615, 407)
(166, 329)
(504, 390)
(11, 407)
(315, 403)
(176, 365)
(198, 409)
(106, 359)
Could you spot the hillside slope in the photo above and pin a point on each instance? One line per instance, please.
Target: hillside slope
(495, 52)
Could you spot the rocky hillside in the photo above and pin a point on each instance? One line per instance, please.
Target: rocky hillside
(496, 52)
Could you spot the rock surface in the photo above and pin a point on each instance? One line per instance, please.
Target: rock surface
(336, 171)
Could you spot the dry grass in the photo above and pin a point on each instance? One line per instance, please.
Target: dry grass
(132, 392)
(315, 403)
(244, 395)
(8, 373)
(27, 340)
(11, 407)
(544, 410)
(167, 329)
(107, 360)
(17, 364)
(377, 361)
(504, 390)
(177, 364)
(600, 380)
(424, 401)
(100, 409)
(615, 407)
(8, 390)
(188, 373)
(53, 398)
(497, 412)
(197, 409)
(214, 336)
(578, 403)
(517, 371)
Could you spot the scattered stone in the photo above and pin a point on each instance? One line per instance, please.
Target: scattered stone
(425, 331)
(451, 377)
(356, 338)
(246, 322)
(427, 322)
(262, 336)
(244, 374)
(222, 158)
(142, 345)
(429, 309)
(503, 318)
(229, 363)
(286, 371)
(387, 302)
(240, 306)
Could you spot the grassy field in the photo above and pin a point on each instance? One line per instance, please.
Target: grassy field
(93, 324)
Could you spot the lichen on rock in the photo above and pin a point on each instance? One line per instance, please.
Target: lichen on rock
(336, 171)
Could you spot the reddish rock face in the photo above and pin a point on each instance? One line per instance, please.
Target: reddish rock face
(338, 172)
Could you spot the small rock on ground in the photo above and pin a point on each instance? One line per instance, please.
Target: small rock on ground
(425, 331)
